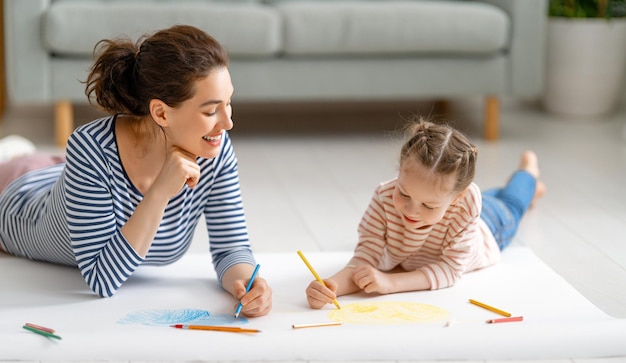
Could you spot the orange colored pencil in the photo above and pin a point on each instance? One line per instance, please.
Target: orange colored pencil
(232, 329)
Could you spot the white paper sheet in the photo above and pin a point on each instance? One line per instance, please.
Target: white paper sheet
(558, 321)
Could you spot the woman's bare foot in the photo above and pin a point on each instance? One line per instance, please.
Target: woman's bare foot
(14, 146)
(530, 163)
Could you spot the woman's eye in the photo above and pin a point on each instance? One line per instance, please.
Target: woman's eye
(210, 113)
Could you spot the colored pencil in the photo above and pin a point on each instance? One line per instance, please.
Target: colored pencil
(505, 320)
(490, 308)
(39, 327)
(317, 277)
(256, 269)
(232, 329)
(41, 332)
(314, 325)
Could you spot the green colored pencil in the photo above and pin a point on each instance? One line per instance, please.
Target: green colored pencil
(41, 332)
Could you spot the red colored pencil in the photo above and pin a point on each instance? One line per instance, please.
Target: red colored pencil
(505, 320)
(39, 327)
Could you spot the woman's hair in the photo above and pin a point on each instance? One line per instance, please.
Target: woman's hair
(126, 75)
(442, 149)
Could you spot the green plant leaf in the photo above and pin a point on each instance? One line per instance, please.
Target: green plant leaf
(587, 8)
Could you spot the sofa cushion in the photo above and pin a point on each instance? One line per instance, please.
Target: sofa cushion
(245, 29)
(393, 27)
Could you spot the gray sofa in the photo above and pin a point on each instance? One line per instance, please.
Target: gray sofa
(295, 50)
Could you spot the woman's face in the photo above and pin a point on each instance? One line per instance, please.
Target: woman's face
(198, 124)
(421, 197)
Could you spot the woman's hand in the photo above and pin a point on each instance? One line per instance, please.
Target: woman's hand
(258, 301)
(180, 168)
(319, 295)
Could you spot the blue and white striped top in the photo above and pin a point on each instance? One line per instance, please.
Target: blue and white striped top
(73, 213)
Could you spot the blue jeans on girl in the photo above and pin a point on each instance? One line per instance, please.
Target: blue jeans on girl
(503, 208)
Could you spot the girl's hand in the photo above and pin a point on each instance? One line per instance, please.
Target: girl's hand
(180, 168)
(319, 295)
(369, 279)
(258, 301)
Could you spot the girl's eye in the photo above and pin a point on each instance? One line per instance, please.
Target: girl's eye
(427, 207)
(404, 196)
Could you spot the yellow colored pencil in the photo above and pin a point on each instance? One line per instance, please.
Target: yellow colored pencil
(317, 277)
(315, 325)
(490, 308)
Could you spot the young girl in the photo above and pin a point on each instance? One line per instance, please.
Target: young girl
(430, 225)
(135, 184)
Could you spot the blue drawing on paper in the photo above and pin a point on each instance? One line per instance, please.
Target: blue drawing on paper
(159, 317)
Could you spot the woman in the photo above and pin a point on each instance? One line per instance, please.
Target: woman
(135, 184)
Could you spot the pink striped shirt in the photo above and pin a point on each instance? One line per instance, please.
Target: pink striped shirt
(459, 243)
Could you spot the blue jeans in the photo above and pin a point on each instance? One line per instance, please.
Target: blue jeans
(503, 208)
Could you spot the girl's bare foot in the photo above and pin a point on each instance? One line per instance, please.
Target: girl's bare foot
(530, 163)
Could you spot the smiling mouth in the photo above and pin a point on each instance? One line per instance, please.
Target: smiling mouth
(212, 139)
(419, 225)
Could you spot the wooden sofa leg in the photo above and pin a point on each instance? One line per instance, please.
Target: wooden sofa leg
(441, 108)
(63, 122)
(492, 118)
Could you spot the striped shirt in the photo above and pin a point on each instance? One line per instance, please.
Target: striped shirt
(459, 243)
(73, 213)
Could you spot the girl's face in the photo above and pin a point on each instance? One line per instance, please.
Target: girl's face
(421, 197)
(198, 124)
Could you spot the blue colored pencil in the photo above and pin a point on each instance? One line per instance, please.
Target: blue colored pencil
(256, 269)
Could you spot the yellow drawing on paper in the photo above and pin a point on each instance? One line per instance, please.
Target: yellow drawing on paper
(388, 312)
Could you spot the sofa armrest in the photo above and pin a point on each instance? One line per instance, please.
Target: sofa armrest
(528, 43)
(27, 64)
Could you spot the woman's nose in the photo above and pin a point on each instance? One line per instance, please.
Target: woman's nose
(226, 120)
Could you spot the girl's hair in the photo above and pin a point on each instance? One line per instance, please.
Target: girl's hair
(442, 149)
(126, 75)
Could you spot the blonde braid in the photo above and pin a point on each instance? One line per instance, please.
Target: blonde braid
(442, 149)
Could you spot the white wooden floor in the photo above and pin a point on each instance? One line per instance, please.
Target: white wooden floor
(306, 187)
